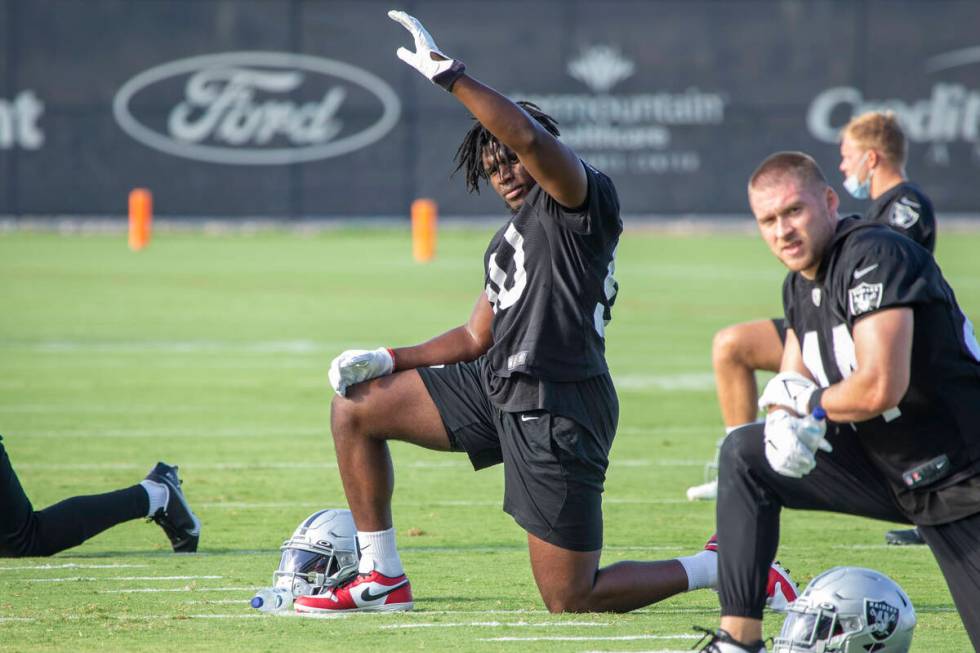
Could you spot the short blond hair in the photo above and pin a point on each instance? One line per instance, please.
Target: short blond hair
(879, 131)
(797, 165)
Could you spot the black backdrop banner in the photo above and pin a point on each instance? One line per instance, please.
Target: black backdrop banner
(299, 108)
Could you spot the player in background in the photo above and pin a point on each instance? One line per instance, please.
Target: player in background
(873, 153)
(523, 382)
(26, 532)
(876, 340)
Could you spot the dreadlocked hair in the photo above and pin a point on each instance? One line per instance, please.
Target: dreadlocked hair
(469, 154)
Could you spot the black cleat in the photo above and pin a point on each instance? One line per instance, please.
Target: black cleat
(722, 637)
(176, 519)
(906, 537)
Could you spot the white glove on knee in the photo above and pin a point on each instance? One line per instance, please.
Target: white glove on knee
(358, 365)
(428, 59)
(789, 390)
(791, 443)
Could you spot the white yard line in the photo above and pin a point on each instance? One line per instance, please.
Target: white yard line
(408, 549)
(422, 612)
(587, 638)
(159, 433)
(500, 624)
(218, 602)
(670, 430)
(903, 550)
(665, 650)
(452, 465)
(683, 381)
(276, 505)
(154, 590)
(176, 346)
(660, 462)
(71, 565)
(93, 578)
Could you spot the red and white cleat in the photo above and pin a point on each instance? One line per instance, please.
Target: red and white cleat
(372, 592)
(780, 588)
(712, 543)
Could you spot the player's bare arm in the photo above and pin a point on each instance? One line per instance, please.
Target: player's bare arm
(555, 167)
(792, 355)
(883, 349)
(883, 353)
(464, 343)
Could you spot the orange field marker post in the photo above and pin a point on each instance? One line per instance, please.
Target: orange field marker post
(140, 218)
(425, 216)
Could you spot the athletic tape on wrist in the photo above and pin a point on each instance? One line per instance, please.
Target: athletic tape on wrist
(814, 400)
(448, 77)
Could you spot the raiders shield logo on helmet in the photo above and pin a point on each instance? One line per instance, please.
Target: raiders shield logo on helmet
(882, 619)
(865, 297)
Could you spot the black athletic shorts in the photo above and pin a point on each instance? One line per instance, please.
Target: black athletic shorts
(554, 468)
(781, 326)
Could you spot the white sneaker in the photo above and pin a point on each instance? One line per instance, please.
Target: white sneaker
(372, 592)
(704, 492)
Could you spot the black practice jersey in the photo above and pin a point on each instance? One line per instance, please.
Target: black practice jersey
(549, 276)
(867, 269)
(908, 211)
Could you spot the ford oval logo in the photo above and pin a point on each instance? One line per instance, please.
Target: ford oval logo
(256, 108)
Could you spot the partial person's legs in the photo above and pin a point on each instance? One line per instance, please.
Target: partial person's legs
(955, 548)
(571, 581)
(736, 353)
(24, 532)
(396, 407)
(554, 470)
(750, 498)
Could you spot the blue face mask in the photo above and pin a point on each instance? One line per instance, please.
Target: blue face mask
(859, 189)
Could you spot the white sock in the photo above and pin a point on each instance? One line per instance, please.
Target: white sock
(378, 551)
(702, 570)
(729, 429)
(158, 493)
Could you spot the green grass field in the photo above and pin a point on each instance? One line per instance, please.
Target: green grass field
(211, 352)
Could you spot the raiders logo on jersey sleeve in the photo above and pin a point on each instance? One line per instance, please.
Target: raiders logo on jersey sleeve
(905, 213)
(865, 297)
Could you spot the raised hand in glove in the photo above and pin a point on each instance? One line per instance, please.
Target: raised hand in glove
(428, 59)
(358, 365)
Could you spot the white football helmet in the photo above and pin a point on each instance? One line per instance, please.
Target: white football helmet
(321, 554)
(850, 610)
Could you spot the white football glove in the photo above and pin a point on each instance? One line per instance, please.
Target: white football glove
(791, 443)
(789, 390)
(358, 365)
(428, 59)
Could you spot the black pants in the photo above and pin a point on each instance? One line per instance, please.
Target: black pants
(751, 495)
(24, 532)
